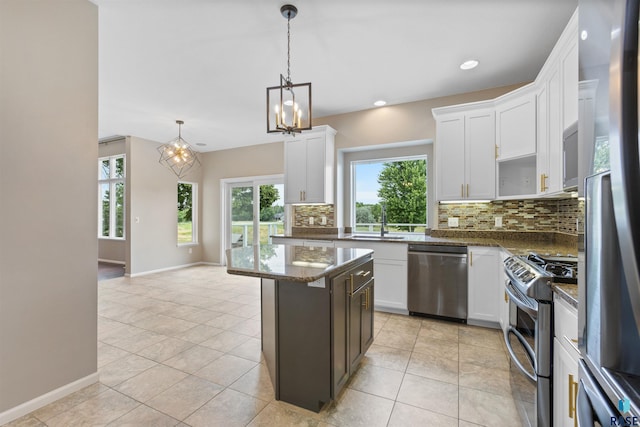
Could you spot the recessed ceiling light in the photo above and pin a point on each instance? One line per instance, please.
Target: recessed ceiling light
(201, 144)
(468, 65)
(584, 35)
(380, 103)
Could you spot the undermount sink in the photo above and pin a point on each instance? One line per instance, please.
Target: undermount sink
(374, 237)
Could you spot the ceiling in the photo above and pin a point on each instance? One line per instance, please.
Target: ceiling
(208, 62)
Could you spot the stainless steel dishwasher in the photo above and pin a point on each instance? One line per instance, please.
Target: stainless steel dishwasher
(438, 281)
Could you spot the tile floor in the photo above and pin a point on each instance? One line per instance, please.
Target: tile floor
(183, 348)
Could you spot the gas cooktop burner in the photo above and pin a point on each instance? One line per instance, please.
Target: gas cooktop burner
(564, 269)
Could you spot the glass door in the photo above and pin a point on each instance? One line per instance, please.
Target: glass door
(271, 215)
(241, 218)
(255, 211)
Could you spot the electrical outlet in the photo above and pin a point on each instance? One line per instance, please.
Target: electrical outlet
(453, 222)
(323, 220)
(498, 221)
(310, 220)
(190, 250)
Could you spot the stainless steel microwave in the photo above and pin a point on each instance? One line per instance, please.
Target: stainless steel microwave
(570, 158)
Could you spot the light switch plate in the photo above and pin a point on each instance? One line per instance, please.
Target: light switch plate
(310, 220)
(498, 221)
(453, 222)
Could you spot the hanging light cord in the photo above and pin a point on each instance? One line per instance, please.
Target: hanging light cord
(289, 47)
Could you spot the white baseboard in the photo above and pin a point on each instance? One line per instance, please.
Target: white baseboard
(160, 270)
(111, 261)
(43, 400)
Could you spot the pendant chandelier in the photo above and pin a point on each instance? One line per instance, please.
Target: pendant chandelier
(178, 155)
(289, 104)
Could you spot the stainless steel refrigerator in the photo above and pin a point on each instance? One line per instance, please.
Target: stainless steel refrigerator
(609, 277)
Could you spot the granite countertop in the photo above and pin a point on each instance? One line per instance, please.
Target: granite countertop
(291, 262)
(516, 243)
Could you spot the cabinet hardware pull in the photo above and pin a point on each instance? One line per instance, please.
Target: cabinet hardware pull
(351, 285)
(363, 273)
(304, 195)
(543, 182)
(506, 297)
(573, 388)
(364, 298)
(467, 190)
(461, 190)
(496, 151)
(470, 259)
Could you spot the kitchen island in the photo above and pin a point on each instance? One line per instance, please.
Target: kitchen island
(316, 317)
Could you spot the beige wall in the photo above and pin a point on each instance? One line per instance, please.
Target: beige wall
(112, 249)
(48, 242)
(152, 214)
(398, 123)
(257, 160)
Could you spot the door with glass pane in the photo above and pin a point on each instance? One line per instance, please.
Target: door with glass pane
(271, 211)
(255, 212)
(241, 215)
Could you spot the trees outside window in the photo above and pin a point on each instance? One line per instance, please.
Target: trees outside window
(111, 187)
(398, 184)
(187, 193)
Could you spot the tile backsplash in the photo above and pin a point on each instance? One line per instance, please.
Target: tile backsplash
(517, 215)
(302, 214)
(564, 215)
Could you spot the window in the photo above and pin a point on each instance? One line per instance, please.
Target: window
(398, 184)
(111, 175)
(187, 208)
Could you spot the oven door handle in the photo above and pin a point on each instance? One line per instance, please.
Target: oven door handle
(522, 306)
(527, 347)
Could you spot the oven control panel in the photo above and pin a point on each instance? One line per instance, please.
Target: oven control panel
(530, 279)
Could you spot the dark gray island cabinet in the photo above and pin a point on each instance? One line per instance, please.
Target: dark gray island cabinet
(317, 316)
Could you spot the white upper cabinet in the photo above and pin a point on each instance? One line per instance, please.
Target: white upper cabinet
(465, 152)
(569, 66)
(527, 125)
(516, 123)
(308, 166)
(450, 157)
(558, 81)
(480, 157)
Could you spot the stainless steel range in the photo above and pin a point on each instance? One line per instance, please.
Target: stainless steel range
(531, 319)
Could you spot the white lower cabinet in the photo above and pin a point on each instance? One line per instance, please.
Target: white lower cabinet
(565, 385)
(565, 364)
(391, 285)
(390, 273)
(483, 283)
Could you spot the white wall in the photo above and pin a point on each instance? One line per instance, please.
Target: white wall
(48, 191)
(152, 200)
(112, 249)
